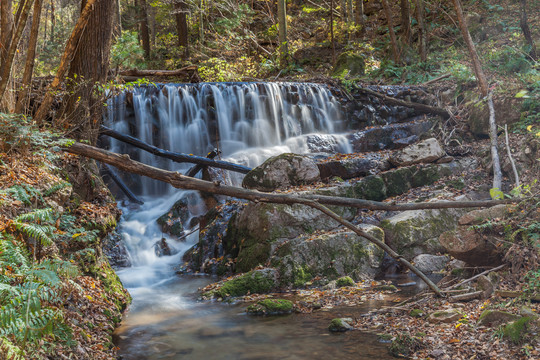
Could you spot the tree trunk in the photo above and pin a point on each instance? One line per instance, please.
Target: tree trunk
(180, 8)
(477, 66)
(118, 19)
(143, 23)
(69, 51)
(282, 23)
(388, 13)
(30, 57)
(360, 16)
(497, 172)
(350, 18)
(524, 24)
(332, 32)
(24, 11)
(422, 35)
(406, 21)
(6, 27)
(90, 66)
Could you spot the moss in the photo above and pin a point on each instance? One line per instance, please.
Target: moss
(270, 307)
(426, 175)
(113, 285)
(345, 281)
(301, 275)
(458, 184)
(370, 188)
(404, 345)
(350, 62)
(386, 288)
(339, 325)
(398, 181)
(516, 330)
(416, 313)
(252, 282)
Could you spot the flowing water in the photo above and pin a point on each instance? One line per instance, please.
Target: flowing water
(248, 122)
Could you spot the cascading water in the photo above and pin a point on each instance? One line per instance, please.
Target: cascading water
(247, 122)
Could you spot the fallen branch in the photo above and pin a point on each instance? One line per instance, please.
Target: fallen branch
(475, 277)
(114, 176)
(142, 73)
(466, 297)
(439, 78)
(176, 157)
(420, 108)
(497, 172)
(510, 157)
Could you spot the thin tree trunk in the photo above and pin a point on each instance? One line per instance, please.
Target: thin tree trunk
(388, 13)
(524, 24)
(497, 172)
(68, 54)
(145, 33)
(13, 45)
(30, 57)
(406, 21)
(6, 27)
(350, 18)
(343, 10)
(360, 16)
(477, 66)
(118, 19)
(180, 8)
(422, 34)
(201, 21)
(509, 153)
(332, 32)
(282, 23)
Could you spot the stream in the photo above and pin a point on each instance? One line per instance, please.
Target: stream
(249, 122)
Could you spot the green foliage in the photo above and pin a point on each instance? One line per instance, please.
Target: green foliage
(127, 52)
(56, 187)
(36, 225)
(345, 281)
(24, 193)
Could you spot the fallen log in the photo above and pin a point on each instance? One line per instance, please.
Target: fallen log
(142, 73)
(176, 157)
(466, 297)
(180, 181)
(195, 169)
(420, 108)
(114, 176)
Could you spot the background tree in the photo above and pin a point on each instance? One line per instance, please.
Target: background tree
(393, 41)
(282, 21)
(180, 8)
(524, 24)
(422, 34)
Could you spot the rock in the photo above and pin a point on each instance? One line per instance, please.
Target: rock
(115, 248)
(340, 325)
(281, 172)
(161, 248)
(427, 263)
(476, 217)
(417, 232)
(347, 169)
(350, 62)
(424, 152)
(484, 284)
(254, 282)
(471, 247)
(371, 188)
(328, 255)
(345, 281)
(508, 110)
(173, 221)
(271, 307)
(525, 311)
(445, 316)
(517, 330)
(494, 318)
(397, 181)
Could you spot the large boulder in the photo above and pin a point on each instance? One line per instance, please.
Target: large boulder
(428, 263)
(332, 256)
(351, 62)
(417, 232)
(281, 172)
(473, 248)
(348, 168)
(508, 111)
(423, 152)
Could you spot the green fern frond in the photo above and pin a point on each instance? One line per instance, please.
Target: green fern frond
(12, 254)
(56, 187)
(41, 233)
(46, 277)
(63, 268)
(37, 216)
(25, 193)
(10, 350)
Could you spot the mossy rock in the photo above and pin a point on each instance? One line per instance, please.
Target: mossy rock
(371, 188)
(340, 325)
(425, 175)
(349, 61)
(345, 281)
(172, 221)
(416, 313)
(495, 317)
(254, 282)
(404, 345)
(516, 331)
(271, 307)
(398, 181)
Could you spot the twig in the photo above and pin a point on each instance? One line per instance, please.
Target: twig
(444, 76)
(475, 277)
(514, 169)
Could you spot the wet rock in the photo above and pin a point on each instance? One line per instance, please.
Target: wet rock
(427, 263)
(494, 318)
(281, 172)
(162, 248)
(424, 152)
(340, 325)
(417, 232)
(471, 247)
(271, 307)
(254, 282)
(116, 251)
(328, 255)
(173, 221)
(445, 316)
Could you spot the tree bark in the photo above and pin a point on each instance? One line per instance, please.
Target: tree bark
(180, 8)
(68, 54)
(497, 172)
(143, 23)
(6, 27)
(393, 41)
(422, 34)
(30, 58)
(24, 11)
(176, 157)
(360, 16)
(406, 21)
(477, 66)
(282, 24)
(332, 32)
(524, 24)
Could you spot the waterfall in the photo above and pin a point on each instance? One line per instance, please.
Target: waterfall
(247, 122)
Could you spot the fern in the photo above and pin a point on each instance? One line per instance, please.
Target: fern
(56, 187)
(24, 193)
(10, 350)
(40, 215)
(42, 233)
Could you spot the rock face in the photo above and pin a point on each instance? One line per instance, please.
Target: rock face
(348, 169)
(416, 232)
(471, 247)
(424, 152)
(427, 263)
(329, 255)
(281, 172)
